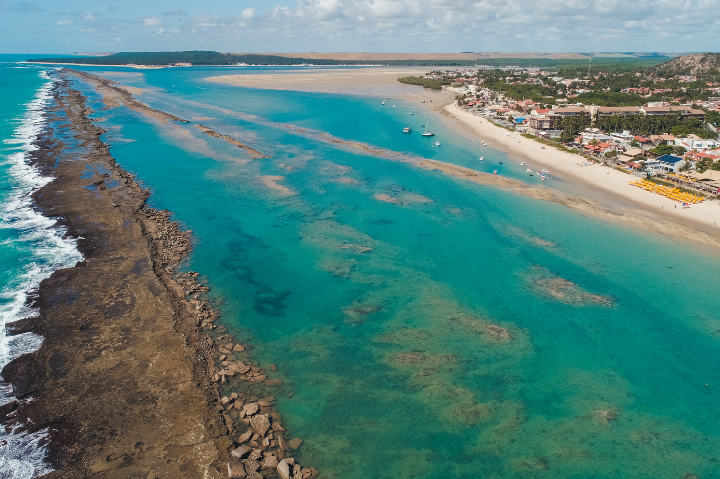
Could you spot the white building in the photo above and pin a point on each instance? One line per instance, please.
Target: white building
(623, 139)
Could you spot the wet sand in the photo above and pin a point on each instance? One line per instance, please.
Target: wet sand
(373, 81)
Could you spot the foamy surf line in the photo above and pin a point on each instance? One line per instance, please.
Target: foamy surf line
(46, 249)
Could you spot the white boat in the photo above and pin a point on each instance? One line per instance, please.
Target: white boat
(407, 129)
(428, 132)
(495, 172)
(383, 102)
(482, 158)
(437, 143)
(529, 169)
(522, 164)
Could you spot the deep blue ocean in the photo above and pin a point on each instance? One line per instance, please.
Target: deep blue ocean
(424, 327)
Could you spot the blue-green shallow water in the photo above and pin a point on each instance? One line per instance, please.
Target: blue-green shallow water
(379, 315)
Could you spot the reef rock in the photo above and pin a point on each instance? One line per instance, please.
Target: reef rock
(260, 423)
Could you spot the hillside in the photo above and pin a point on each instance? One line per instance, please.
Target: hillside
(701, 65)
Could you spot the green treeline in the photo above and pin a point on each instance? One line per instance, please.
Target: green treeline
(217, 58)
(655, 125)
(425, 82)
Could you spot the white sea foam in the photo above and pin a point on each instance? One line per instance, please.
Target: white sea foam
(22, 454)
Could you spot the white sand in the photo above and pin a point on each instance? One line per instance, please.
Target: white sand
(565, 164)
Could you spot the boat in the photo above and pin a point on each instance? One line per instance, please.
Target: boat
(407, 129)
(528, 169)
(501, 162)
(482, 158)
(383, 102)
(437, 143)
(411, 113)
(495, 172)
(428, 132)
(522, 164)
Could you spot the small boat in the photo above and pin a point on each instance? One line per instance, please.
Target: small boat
(501, 162)
(437, 143)
(407, 129)
(393, 106)
(495, 172)
(411, 113)
(522, 164)
(531, 174)
(383, 102)
(528, 169)
(482, 158)
(428, 132)
(423, 101)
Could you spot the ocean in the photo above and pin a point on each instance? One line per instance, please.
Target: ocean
(31, 247)
(424, 327)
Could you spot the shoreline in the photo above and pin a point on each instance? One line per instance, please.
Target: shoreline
(124, 353)
(603, 184)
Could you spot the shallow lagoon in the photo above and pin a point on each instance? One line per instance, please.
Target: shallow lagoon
(425, 327)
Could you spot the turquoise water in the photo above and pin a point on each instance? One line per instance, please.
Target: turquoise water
(378, 314)
(31, 246)
(426, 327)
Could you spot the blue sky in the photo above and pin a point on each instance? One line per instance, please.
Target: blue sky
(69, 26)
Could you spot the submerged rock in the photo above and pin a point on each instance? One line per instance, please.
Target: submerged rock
(236, 470)
(260, 423)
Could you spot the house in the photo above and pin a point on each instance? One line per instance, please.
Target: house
(591, 134)
(662, 139)
(541, 123)
(600, 149)
(623, 139)
(642, 140)
(668, 163)
(696, 143)
(684, 111)
(570, 111)
(617, 110)
(635, 153)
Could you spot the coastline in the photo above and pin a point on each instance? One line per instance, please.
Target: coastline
(127, 379)
(609, 180)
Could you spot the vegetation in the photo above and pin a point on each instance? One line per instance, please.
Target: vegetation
(668, 150)
(425, 82)
(573, 125)
(655, 125)
(707, 164)
(216, 58)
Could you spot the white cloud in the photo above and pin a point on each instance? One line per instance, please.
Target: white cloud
(152, 22)
(63, 22)
(247, 14)
(423, 25)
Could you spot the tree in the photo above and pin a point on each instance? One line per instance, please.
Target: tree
(594, 142)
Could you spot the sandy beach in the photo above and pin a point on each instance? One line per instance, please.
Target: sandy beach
(372, 81)
(597, 190)
(567, 165)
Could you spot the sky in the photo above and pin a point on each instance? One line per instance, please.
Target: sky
(70, 26)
